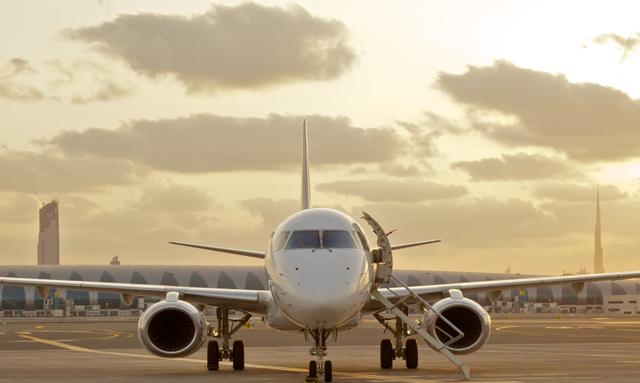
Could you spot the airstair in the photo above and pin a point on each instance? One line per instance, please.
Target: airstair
(398, 303)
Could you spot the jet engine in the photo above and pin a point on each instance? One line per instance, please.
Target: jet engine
(466, 315)
(172, 328)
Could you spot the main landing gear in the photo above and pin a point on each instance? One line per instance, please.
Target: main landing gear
(223, 330)
(320, 366)
(387, 352)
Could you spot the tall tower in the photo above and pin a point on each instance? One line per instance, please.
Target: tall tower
(49, 236)
(598, 261)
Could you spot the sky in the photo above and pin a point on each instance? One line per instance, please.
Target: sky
(489, 124)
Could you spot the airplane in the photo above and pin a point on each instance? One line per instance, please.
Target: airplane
(323, 277)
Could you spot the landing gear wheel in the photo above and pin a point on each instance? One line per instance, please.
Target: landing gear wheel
(411, 353)
(238, 355)
(328, 371)
(213, 356)
(313, 369)
(386, 354)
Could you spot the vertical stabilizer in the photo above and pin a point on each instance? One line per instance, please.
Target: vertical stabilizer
(306, 191)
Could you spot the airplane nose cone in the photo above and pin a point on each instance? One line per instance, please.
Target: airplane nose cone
(326, 307)
(327, 299)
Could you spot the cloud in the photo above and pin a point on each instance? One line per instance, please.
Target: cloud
(627, 44)
(50, 172)
(244, 46)
(488, 234)
(572, 192)
(12, 85)
(68, 81)
(406, 191)
(588, 122)
(394, 169)
(174, 197)
(136, 227)
(18, 208)
(422, 138)
(272, 212)
(210, 143)
(401, 170)
(476, 223)
(519, 166)
(86, 81)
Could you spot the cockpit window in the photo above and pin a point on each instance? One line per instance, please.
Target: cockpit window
(337, 239)
(279, 242)
(304, 239)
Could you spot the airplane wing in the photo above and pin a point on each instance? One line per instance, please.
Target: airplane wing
(254, 301)
(412, 244)
(434, 292)
(246, 253)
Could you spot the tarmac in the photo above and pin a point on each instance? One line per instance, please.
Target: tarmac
(521, 349)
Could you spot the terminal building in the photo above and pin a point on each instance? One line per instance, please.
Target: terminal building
(622, 304)
(18, 299)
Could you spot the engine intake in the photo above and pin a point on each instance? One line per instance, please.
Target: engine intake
(465, 314)
(172, 328)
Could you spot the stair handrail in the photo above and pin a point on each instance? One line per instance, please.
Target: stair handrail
(452, 338)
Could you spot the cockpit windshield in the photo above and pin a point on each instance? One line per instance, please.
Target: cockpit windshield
(304, 239)
(337, 239)
(331, 239)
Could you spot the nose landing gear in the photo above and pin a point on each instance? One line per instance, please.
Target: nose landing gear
(320, 367)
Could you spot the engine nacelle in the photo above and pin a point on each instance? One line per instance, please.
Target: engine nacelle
(172, 328)
(466, 315)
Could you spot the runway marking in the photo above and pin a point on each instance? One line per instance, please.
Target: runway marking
(99, 335)
(574, 327)
(502, 328)
(63, 331)
(72, 347)
(510, 350)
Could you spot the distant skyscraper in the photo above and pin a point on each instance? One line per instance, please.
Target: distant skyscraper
(49, 236)
(598, 260)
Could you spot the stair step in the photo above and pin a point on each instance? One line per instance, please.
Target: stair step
(417, 328)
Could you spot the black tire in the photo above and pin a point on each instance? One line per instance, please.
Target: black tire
(238, 355)
(386, 354)
(313, 369)
(411, 353)
(213, 356)
(328, 371)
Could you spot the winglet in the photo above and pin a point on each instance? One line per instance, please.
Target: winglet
(306, 190)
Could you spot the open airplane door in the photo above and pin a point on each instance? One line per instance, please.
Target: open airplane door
(382, 256)
(383, 259)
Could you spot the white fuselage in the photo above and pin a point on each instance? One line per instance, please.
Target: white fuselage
(319, 270)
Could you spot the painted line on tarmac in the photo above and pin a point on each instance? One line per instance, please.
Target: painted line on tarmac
(72, 347)
(510, 350)
(502, 328)
(64, 331)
